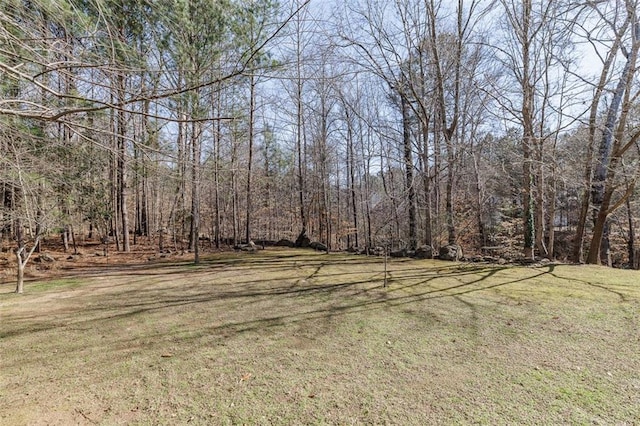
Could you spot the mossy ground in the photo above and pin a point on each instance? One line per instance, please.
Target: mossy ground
(297, 337)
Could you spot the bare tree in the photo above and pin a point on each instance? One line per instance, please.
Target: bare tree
(530, 48)
(614, 32)
(610, 157)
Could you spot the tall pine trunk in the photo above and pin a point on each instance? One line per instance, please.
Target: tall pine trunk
(195, 191)
(540, 188)
(351, 165)
(121, 166)
(252, 109)
(408, 164)
(426, 183)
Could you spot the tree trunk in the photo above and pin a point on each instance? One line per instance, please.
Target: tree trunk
(64, 235)
(599, 229)
(300, 149)
(144, 214)
(631, 236)
(216, 206)
(114, 222)
(528, 212)
(195, 192)
(123, 195)
(426, 182)
(182, 206)
(367, 193)
(300, 154)
(408, 163)
(451, 228)
(601, 88)
(539, 203)
(552, 215)
(19, 250)
(137, 214)
(20, 277)
(478, 202)
(72, 233)
(352, 180)
(122, 162)
(528, 135)
(252, 108)
(437, 190)
(234, 195)
(22, 255)
(609, 156)
(216, 171)
(578, 241)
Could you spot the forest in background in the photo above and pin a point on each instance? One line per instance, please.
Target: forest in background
(499, 126)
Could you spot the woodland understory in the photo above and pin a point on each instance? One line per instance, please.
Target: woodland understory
(507, 128)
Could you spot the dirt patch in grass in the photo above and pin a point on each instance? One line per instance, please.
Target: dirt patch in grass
(296, 337)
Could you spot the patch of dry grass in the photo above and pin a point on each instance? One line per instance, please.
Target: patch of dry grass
(296, 337)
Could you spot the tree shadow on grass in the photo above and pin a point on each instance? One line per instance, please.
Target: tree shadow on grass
(351, 307)
(265, 260)
(621, 296)
(347, 292)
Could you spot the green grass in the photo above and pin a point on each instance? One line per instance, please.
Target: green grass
(58, 284)
(296, 337)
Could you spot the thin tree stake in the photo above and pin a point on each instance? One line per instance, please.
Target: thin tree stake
(385, 268)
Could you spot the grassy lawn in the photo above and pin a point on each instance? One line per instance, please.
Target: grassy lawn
(297, 337)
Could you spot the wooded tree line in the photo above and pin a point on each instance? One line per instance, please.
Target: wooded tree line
(498, 124)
